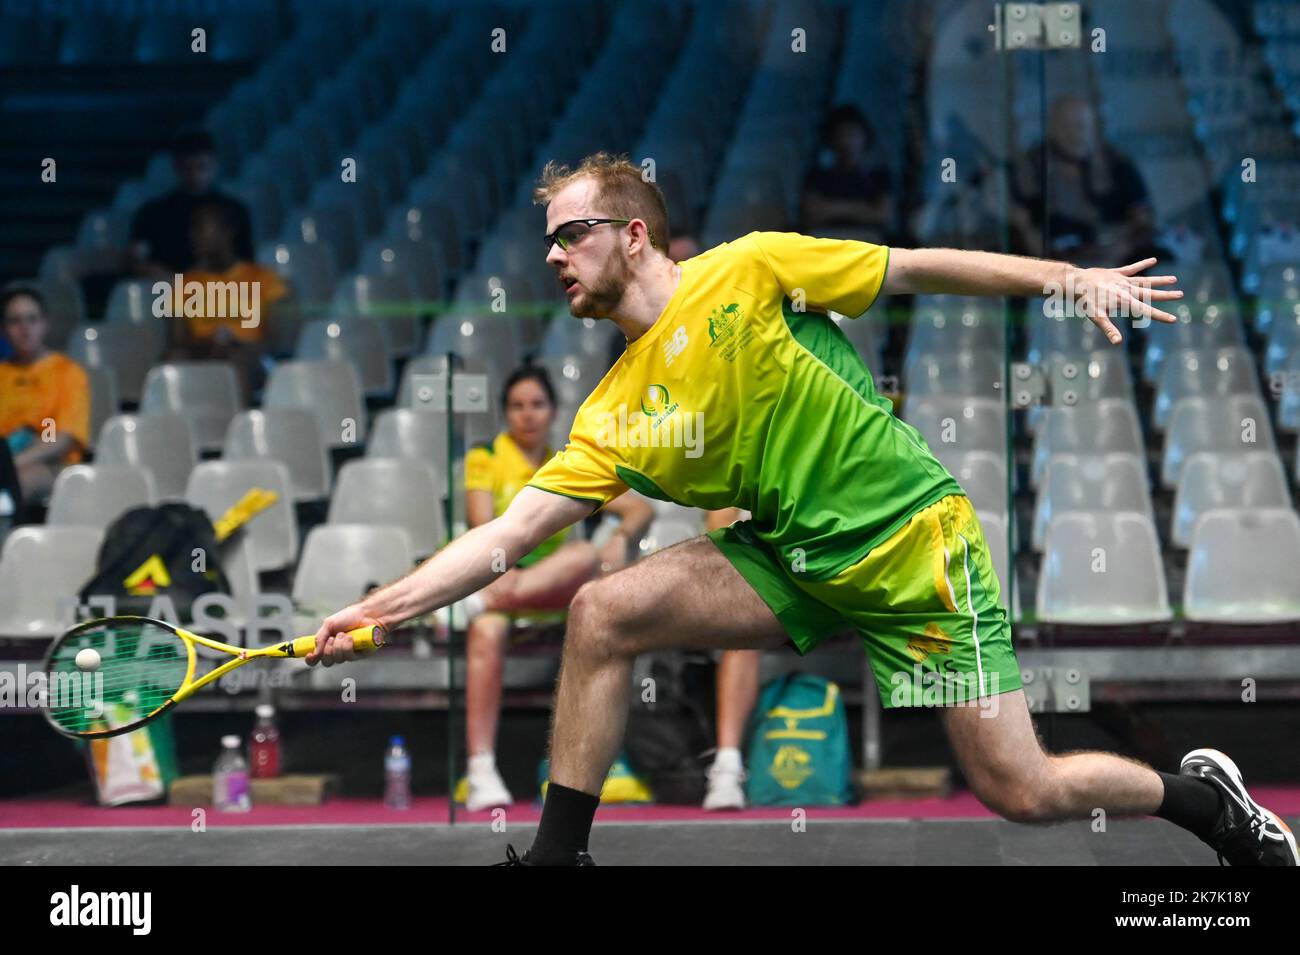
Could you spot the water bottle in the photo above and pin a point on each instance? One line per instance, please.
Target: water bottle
(230, 779)
(264, 745)
(397, 775)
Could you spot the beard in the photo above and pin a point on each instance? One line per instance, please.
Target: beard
(604, 294)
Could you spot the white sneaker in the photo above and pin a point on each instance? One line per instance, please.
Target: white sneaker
(726, 782)
(487, 790)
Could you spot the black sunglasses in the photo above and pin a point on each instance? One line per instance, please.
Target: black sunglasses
(573, 230)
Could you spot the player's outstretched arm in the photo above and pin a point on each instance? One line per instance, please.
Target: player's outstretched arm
(1097, 292)
(467, 564)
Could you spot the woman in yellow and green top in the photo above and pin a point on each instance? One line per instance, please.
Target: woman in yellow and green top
(546, 579)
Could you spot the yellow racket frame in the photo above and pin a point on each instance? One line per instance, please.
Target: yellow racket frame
(364, 640)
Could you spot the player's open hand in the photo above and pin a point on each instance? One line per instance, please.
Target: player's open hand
(1102, 293)
(333, 645)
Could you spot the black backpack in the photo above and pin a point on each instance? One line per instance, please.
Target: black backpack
(149, 551)
(667, 740)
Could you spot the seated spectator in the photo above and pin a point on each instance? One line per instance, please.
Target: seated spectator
(216, 327)
(160, 230)
(1095, 203)
(848, 190)
(44, 396)
(544, 580)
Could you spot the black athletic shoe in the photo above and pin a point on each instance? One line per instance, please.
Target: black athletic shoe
(1245, 833)
(513, 858)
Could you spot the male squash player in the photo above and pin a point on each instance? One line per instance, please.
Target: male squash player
(736, 390)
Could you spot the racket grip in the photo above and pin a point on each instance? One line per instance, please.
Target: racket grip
(364, 640)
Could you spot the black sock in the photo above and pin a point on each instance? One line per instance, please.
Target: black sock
(1190, 802)
(565, 826)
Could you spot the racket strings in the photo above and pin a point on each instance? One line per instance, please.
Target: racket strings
(140, 667)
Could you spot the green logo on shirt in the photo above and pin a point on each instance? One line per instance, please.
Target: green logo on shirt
(656, 403)
(728, 331)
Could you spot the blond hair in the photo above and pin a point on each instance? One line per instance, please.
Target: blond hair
(621, 191)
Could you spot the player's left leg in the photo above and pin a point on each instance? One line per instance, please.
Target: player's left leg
(1006, 767)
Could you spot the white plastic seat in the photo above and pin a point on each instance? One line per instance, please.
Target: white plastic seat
(116, 345)
(204, 393)
(87, 495)
(574, 376)
(341, 563)
(1088, 482)
(216, 486)
(952, 423)
(391, 491)
(983, 476)
(376, 297)
(1232, 425)
(160, 444)
(491, 339)
(1212, 482)
(103, 397)
(1130, 590)
(1108, 426)
(1210, 374)
(408, 433)
(330, 390)
(1242, 567)
(358, 341)
(666, 531)
(42, 569)
(977, 373)
(1211, 329)
(567, 335)
(287, 435)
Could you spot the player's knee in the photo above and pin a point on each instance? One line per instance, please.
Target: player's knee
(600, 621)
(1016, 798)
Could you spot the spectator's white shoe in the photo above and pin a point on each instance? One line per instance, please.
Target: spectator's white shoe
(487, 790)
(726, 782)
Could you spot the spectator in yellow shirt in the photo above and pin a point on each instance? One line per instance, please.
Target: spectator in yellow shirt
(44, 396)
(545, 579)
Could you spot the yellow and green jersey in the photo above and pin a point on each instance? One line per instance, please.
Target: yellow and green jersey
(502, 469)
(744, 393)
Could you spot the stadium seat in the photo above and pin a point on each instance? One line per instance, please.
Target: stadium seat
(341, 563)
(390, 491)
(574, 376)
(1232, 425)
(952, 423)
(664, 531)
(216, 486)
(307, 266)
(1210, 330)
(103, 397)
(1214, 481)
(1090, 482)
(490, 338)
(976, 373)
(95, 496)
(204, 393)
(1206, 373)
(983, 476)
(42, 570)
(288, 435)
(330, 390)
(407, 433)
(1242, 567)
(386, 299)
(566, 335)
(1108, 426)
(359, 342)
(1131, 588)
(158, 443)
(116, 346)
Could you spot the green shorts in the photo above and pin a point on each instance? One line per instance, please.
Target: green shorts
(926, 604)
